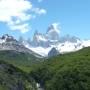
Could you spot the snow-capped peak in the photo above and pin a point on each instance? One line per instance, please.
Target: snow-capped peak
(53, 32)
(54, 28)
(39, 37)
(64, 47)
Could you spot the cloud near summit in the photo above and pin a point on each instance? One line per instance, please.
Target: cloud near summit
(16, 13)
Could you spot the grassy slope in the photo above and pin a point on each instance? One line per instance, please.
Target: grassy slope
(65, 72)
(20, 63)
(21, 60)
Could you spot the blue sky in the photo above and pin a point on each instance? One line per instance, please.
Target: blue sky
(73, 16)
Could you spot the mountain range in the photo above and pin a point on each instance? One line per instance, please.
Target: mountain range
(8, 42)
(42, 44)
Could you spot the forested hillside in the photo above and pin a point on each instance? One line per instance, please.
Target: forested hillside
(19, 59)
(64, 72)
(69, 71)
(12, 78)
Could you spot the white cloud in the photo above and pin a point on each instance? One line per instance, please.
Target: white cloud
(23, 27)
(15, 12)
(39, 11)
(17, 8)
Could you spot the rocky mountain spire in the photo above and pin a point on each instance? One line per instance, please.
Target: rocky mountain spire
(53, 32)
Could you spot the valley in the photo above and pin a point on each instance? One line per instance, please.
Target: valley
(25, 69)
(65, 71)
(44, 44)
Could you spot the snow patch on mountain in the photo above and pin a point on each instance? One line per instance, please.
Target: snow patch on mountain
(40, 50)
(68, 47)
(61, 47)
(1, 41)
(86, 43)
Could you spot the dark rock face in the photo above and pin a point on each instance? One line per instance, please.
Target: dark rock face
(8, 38)
(53, 52)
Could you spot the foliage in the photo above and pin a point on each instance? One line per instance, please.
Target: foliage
(14, 68)
(19, 59)
(64, 72)
(12, 78)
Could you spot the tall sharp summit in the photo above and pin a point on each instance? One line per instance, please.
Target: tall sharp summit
(51, 36)
(53, 32)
